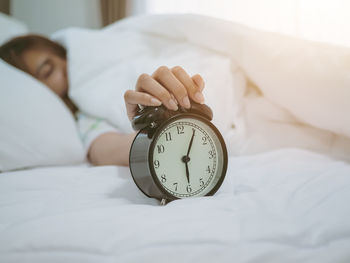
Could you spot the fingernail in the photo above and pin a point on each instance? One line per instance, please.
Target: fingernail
(155, 102)
(199, 97)
(172, 104)
(186, 102)
(202, 86)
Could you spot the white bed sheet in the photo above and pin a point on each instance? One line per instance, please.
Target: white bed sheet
(282, 206)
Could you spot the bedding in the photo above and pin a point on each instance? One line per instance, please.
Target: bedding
(37, 129)
(280, 203)
(267, 91)
(309, 79)
(110, 63)
(287, 205)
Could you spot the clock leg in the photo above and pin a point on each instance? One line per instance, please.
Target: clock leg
(163, 202)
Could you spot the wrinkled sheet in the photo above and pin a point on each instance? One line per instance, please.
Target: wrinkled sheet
(281, 206)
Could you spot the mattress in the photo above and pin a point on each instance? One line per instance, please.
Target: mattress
(286, 205)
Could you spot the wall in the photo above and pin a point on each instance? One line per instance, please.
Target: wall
(47, 16)
(320, 20)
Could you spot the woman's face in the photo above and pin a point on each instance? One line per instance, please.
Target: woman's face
(49, 68)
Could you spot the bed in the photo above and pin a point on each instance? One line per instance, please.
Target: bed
(284, 198)
(282, 206)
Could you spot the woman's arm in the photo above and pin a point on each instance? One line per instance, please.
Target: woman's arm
(111, 149)
(170, 87)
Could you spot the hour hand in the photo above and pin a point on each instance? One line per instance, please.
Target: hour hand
(186, 159)
(187, 173)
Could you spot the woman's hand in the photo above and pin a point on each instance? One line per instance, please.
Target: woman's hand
(166, 86)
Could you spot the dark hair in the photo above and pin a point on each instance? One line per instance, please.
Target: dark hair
(12, 51)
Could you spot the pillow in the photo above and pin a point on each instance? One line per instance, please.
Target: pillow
(10, 27)
(36, 127)
(111, 62)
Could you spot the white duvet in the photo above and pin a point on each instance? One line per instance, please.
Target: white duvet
(282, 206)
(276, 91)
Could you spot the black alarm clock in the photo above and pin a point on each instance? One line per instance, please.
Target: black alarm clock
(177, 154)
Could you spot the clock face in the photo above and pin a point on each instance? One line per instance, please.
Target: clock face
(188, 158)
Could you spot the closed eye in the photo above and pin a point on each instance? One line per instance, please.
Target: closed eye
(45, 69)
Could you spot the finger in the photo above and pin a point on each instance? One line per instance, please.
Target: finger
(137, 97)
(168, 80)
(149, 85)
(192, 89)
(133, 98)
(173, 97)
(199, 81)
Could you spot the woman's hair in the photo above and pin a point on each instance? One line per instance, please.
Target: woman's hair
(12, 50)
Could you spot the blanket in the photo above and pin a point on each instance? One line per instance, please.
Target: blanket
(267, 91)
(260, 214)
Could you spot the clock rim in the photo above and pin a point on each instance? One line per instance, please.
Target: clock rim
(152, 147)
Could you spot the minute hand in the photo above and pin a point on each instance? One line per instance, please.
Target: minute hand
(188, 158)
(191, 141)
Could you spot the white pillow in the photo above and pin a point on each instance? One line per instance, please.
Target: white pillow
(36, 127)
(10, 27)
(111, 62)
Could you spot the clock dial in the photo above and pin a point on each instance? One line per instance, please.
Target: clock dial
(187, 158)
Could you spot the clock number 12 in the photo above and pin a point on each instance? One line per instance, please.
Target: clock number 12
(180, 129)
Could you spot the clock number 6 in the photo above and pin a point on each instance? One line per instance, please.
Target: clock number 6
(189, 189)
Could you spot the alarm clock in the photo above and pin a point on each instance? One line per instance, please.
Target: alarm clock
(177, 154)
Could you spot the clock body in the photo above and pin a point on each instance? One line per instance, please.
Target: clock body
(183, 156)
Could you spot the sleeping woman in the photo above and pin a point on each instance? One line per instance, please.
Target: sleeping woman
(46, 61)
